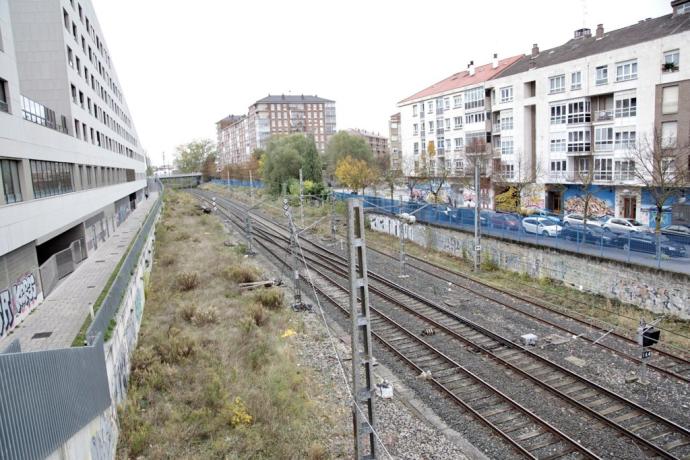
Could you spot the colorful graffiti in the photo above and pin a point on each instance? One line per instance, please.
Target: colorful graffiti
(17, 302)
(601, 200)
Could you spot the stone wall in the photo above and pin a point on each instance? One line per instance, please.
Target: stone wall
(649, 288)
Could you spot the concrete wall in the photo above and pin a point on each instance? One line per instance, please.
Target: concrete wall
(654, 290)
(20, 287)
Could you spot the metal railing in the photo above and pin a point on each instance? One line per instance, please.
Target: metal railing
(61, 264)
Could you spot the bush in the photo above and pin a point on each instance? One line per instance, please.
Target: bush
(208, 315)
(242, 274)
(187, 281)
(187, 312)
(270, 298)
(259, 315)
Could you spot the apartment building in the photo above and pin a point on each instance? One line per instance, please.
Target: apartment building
(573, 117)
(438, 122)
(276, 115)
(394, 130)
(71, 164)
(377, 143)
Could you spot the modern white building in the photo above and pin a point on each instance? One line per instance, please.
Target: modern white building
(71, 164)
(572, 115)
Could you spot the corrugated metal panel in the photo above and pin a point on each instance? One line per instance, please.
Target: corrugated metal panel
(48, 396)
(13, 347)
(113, 300)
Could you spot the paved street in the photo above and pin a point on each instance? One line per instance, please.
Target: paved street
(63, 312)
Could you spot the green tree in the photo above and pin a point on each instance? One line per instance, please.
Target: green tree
(343, 144)
(284, 157)
(209, 169)
(189, 158)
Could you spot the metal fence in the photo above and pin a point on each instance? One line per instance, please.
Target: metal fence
(113, 299)
(48, 396)
(238, 183)
(642, 248)
(61, 264)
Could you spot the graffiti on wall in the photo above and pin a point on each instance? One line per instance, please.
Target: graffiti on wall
(601, 200)
(17, 302)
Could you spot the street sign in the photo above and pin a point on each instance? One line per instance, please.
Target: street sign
(478, 248)
(646, 354)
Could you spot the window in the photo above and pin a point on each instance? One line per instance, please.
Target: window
(506, 94)
(65, 18)
(457, 101)
(626, 71)
(416, 148)
(508, 171)
(459, 143)
(457, 122)
(448, 123)
(579, 112)
(414, 110)
(10, 181)
(625, 139)
(446, 103)
(624, 170)
(557, 84)
(459, 164)
(477, 117)
(3, 96)
(669, 134)
(558, 144)
(669, 99)
(507, 145)
(431, 107)
(70, 57)
(583, 166)
(506, 122)
(474, 98)
(431, 126)
(51, 178)
(415, 129)
(603, 169)
(671, 61)
(576, 80)
(558, 166)
(579, 141)
(602, 75)
(603, 139)
(558, 114)
(626, 107)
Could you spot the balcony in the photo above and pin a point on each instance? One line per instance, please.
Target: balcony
(558, 177)
(603, 115)
(579, 149)
(496, 128)
(669, 67)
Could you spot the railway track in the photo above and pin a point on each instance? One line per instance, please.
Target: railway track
(666, 363)
(656, 435)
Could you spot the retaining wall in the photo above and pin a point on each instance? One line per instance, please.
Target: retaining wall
(649, 288)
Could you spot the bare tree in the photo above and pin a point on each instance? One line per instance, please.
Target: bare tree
(478, 154)
(391, 177)
(662, 166)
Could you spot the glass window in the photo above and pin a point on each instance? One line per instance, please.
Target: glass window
(414, 110)
(474, 98)
(669, 99)
(51, 178)
(447, 123)
(626, 107)
(603, 169)
(457, 122)
(626, 71)
(669, 134)
(579, 141)
(603, 139)
(459, 142)
(625, 139)
(415, 128)
(579, 112)
(576, 80)
(446, 103)
(506, 120)
(457, 101)
(557, 84)
(506, 94)
(506, 145)
(10, 181)
(602, 75)
(558, 114)
(558, 144)
(671, 61)
(624, 170)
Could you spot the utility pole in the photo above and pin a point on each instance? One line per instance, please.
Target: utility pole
(248, 229)
(362, 355)
(401, 232)
(333, 229)
(251, 187)
(477, 242)
(296, 293)
(647, 336)
(301, 199)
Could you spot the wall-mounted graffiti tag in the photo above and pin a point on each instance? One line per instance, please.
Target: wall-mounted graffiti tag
(16, 303)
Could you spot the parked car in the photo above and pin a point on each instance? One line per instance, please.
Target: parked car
(620, 225)
(505, 221)
(466, 216)
(646, 242)
(541, 225)
(544, 213)
(576, 218)
(590, 234)
(678, 233)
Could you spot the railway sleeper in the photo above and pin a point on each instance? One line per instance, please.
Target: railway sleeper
(677, 443)
(509, 417)
(497, 411)
(611, 409)
(548, 442)
(454, 371)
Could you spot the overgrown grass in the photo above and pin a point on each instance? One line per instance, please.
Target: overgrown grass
(213, 376)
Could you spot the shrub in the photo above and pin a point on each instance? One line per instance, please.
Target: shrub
(187, 281)
(237, 413)
(187, 312)
(259, 315)
(270, 298)
(208, 315)
(177, 348)
(316, 452)
(242, 273)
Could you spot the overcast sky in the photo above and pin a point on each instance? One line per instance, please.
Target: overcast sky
(183, 65)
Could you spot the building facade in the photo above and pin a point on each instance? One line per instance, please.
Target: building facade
(579, 117)
(394, 129)
(275, 115)
(71, 165)
(376, 142)
(568, 121)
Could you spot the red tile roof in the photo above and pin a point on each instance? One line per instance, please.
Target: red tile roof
(462, 79)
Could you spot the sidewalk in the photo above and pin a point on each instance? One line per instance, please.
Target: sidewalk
(62, 313)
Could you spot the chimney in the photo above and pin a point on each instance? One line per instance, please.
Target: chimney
(600, 31)
(470, 68)
(535, 50)
(494, 63)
